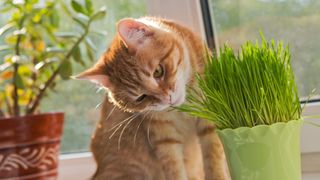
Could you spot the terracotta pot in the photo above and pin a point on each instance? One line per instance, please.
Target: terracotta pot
(29, 146)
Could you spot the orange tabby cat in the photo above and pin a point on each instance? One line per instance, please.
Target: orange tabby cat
(146, 70)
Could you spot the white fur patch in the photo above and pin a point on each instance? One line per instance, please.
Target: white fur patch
(154, 24)
(183, 76)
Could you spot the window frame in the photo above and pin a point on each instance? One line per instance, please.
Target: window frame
(191, 13)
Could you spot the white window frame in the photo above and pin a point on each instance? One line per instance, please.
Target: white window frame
(188, 12)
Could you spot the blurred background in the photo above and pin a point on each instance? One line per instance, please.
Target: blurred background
(79, 99)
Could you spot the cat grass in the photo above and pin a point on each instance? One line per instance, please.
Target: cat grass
(253, 87)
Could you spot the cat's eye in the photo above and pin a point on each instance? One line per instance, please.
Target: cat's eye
(159, 72)
(141, 98)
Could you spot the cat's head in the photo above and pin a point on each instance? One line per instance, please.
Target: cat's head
(143, 69)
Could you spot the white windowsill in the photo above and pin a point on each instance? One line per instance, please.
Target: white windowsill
(79, 166)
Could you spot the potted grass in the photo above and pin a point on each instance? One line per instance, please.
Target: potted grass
(252, 99)
(36, 54)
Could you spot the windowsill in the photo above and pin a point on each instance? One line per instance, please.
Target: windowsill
(76, 166)
(82, 166)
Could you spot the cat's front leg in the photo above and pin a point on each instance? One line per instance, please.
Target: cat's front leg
(168, 148)
(212, 151)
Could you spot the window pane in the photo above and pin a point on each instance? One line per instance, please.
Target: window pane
(78, 99)
(296, 22)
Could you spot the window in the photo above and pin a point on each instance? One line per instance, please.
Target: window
(294, 21)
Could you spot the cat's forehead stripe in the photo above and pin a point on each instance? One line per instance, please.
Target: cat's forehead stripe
(181, 56)
(145, 72)
(127, 83)
(137, 74)
(168, 53)
(132, 93)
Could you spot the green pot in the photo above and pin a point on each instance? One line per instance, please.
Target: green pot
(264, 152)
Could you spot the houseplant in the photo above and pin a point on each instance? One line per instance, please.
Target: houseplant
(36, 54)
(252, 99)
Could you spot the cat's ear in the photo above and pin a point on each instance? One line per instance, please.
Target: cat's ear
(133, 33)
(95, 75)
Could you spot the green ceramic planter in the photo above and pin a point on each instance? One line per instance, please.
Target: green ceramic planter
(263, 152)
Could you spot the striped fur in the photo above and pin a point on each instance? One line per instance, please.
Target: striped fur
(143, 140)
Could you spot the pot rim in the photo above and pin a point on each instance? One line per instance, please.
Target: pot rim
(262, 126)
(32, 116)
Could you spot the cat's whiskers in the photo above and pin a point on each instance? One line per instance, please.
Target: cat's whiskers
(121, 122)
(135, 135)
(114, 132)
(118, 125)
(100, 88)
(148, 131)
(98, 105)
(123, 129)
(109, 115)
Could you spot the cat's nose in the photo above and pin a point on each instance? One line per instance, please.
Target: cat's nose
(167, 99)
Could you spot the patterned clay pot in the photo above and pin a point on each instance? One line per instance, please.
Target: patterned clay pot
(263, 152)
(29, 146)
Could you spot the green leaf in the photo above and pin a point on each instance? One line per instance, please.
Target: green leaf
(66, 35)
(4, 48)
(65, 8)
(6, 28)
(19, 82)
(90, 53)
(100, 33)
(54, 19)
(55, 50)
(76, 54)
(5, 66)
(80, 22)
(44, 63)
(4, 8)
(65, 70)
(89, 7)
(99, 14)
(78, 7)
(90, 44)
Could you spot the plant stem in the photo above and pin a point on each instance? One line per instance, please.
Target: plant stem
(16, 108)
(48, 83)
(34, 79)
(8, 106)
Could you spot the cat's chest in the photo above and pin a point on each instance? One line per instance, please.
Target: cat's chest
(184, 124)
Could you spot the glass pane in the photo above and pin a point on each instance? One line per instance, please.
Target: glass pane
(79, 99)
(296, 22)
